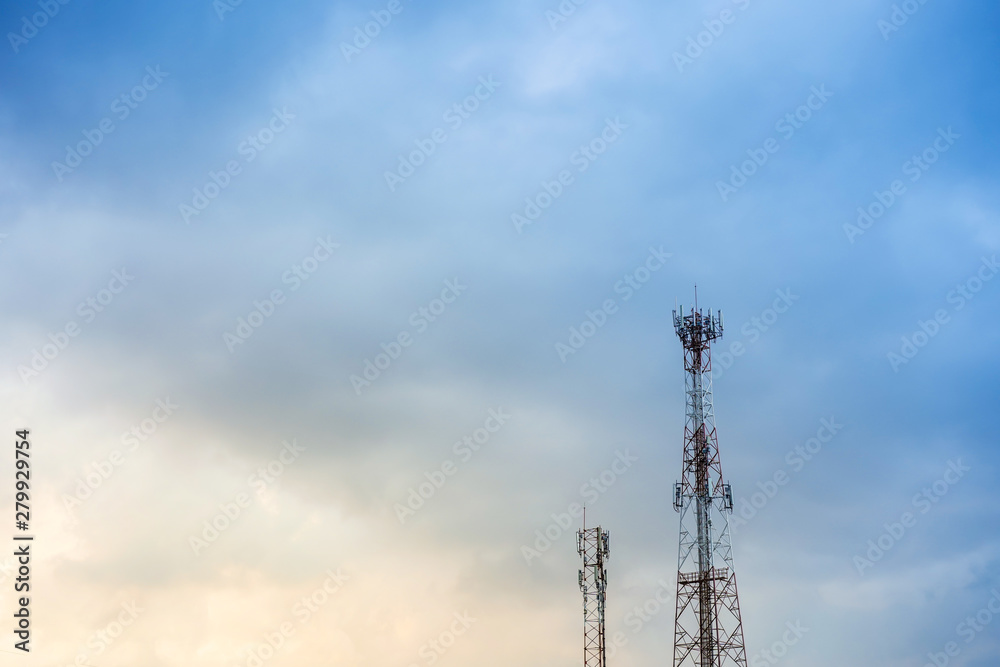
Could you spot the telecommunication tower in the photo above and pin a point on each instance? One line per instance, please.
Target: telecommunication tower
(708, 627)
(592, 545)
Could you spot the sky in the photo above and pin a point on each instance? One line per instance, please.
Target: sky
(324, 317)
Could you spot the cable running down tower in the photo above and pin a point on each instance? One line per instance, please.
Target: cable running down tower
(708, 627)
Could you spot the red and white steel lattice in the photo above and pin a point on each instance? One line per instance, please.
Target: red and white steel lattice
(708, 626)
(592, 545)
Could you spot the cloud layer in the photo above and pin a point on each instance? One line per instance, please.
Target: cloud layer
(825, 180)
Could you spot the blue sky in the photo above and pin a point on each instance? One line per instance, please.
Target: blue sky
(313, 201)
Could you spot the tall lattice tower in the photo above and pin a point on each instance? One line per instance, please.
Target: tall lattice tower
(708, 627)
(592, 545)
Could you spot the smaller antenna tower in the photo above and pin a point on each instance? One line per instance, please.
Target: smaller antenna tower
(592, 545)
